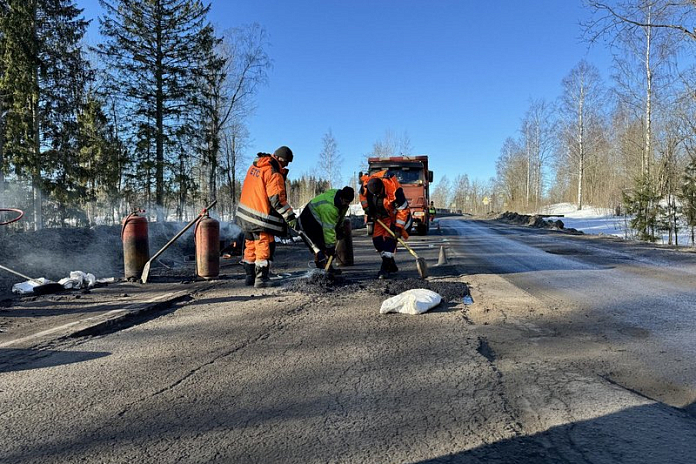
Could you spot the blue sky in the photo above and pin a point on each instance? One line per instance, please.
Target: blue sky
(455, 75)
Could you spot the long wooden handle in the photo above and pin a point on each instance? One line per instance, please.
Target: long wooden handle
(16, 273)
(397, 238)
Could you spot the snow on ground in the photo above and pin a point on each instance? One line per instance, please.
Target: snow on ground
(590, 220)
(601, 221)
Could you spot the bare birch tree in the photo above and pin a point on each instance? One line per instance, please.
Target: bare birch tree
(538, 128)
(442, 193)
(581, 107)
(642, 32)
(391, 145)
(330, 160)
(511, 173)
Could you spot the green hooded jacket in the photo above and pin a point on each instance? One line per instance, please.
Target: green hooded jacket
(327, 215)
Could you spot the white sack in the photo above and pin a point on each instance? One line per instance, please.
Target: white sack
(27, 287)
(77, 280)
(414, 301)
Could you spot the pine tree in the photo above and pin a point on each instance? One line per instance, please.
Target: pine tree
(153, 50)
(102, 158)
(688, 196)
(643, 204)
(45, 75)
(210, 102)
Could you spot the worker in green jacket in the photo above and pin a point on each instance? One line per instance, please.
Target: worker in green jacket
(322, 221)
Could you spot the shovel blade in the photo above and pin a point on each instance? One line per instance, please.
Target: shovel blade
(146, 273)
(422, 267)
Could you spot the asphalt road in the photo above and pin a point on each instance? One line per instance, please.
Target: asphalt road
(544, 366)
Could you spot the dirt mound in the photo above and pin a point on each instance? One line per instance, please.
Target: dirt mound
(316, 282)
(534, 221)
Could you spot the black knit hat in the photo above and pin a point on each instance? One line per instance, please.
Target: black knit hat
(283, 153)
(347, 193)
(375, 186)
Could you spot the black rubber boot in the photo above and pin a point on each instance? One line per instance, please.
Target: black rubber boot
(250, 271)
(384, 269)
(391, 265)
(262, 280)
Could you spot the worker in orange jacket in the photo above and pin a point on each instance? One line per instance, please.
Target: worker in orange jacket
(264, 213)
(382, 197)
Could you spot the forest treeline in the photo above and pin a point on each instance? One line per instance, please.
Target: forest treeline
(155, 114)
(627, 142)
(152, 116)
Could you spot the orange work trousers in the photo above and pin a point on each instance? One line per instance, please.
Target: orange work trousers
(258, 248)
(381, 238)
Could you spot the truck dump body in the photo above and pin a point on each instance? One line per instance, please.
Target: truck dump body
(415, 179)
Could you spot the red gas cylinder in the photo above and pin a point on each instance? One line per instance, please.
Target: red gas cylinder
(136, 245)
(207, 238)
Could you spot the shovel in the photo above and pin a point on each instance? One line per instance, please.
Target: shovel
(306, 240)
(315, 249)
(146, 269)
(420, 262)
(40, 288)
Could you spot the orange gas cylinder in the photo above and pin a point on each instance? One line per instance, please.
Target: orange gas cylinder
(207, 238)
(136, 245)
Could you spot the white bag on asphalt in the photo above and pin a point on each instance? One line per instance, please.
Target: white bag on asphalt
(77, 280)
(414, 301)
(24, 288)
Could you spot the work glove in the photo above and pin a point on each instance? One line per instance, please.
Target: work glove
(339, 233)
(320, 260)
(292, 221)
(330, 251)
(402, 232)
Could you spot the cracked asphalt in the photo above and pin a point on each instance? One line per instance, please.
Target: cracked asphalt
(295, 374)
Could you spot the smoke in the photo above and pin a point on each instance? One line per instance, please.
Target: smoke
(54, 252)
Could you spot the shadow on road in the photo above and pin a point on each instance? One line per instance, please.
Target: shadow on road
(22, 359)
(645, 434)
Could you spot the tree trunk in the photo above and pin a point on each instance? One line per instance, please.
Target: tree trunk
(159, 122)
(581, 146)
(529, 170)
(648, 97)
(2, 146)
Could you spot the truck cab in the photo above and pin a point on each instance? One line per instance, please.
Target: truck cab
(415, 179)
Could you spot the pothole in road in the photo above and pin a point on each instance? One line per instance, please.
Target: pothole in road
(318, 282)
(451, 292)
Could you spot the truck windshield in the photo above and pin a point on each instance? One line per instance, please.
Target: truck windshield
(407, 177)
(409, 174)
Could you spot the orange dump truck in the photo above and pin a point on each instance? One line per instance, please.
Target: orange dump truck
(415, 179)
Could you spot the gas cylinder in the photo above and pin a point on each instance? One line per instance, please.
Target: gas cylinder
(136, 245)
(207, 239)
(344, 246)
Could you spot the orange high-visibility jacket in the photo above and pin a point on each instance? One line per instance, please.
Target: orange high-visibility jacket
(263, 205)
(394, 201)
